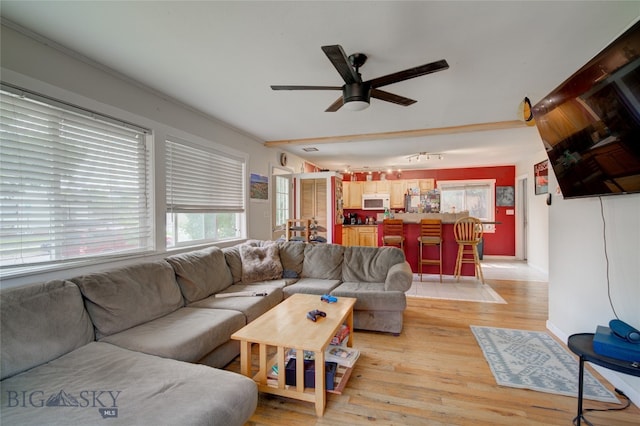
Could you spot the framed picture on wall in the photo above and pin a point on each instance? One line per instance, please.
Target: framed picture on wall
(505, 196)
(541, 173)
(259, 187)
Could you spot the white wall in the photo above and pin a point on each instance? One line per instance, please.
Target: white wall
(566, 240)
(578, 288)
(63, 75)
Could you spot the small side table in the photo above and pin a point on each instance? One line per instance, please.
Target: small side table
(582, 345)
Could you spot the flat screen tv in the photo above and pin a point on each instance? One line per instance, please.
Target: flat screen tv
(590, 124)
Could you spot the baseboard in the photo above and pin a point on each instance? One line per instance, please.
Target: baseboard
(614, 378)
(498, 257)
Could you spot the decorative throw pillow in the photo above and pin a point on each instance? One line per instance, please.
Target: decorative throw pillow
(260, 263)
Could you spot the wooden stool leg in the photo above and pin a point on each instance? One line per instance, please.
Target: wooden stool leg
(476, 260)
(440, 248)
(458, 268)
(420, 261)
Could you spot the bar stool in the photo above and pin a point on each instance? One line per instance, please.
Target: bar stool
(468, 233)
(430, 235)
(393, 233)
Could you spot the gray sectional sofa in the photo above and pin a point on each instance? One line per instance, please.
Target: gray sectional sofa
(136, 345)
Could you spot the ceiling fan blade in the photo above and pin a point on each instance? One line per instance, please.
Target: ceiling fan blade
(336, 105)
(409, 73)
(339, 60)
(390, 97)
(306, 87)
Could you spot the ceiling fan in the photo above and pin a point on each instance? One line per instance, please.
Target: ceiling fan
(357, 93)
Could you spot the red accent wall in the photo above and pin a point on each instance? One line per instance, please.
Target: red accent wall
(500, 243)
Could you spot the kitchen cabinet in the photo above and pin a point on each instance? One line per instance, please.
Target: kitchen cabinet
(352, 194)
(426, 184)
(422, 185)
(348, 236)
(375, 187)
(368, 236)
(397, 190)
(360, 235)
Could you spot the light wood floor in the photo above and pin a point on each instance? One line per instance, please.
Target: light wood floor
(434, 373)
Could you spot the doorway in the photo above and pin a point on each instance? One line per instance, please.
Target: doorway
(522, 217)
(281, 208)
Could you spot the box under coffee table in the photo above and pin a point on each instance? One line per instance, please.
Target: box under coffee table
(286, 327)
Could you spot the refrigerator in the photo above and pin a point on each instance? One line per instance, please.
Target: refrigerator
(425, 202)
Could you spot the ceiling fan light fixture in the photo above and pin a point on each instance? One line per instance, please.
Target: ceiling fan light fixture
(356, 105)
(356, 96)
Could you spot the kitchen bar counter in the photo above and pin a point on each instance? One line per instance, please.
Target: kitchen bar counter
(412, 251)
(417, 217)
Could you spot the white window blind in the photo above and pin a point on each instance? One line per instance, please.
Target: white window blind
(203, 181)
(73, 185)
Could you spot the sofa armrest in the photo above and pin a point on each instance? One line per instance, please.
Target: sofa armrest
(399, 277)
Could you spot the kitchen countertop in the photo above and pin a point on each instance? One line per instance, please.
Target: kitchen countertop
(416, 217)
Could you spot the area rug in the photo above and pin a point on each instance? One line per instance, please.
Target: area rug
(534, 360)
(449, 289)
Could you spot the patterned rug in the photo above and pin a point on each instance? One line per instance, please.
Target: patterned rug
(534, 360)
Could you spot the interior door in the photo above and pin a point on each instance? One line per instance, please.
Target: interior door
(282, 196)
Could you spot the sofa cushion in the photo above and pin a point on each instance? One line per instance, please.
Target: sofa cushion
(399, 277)
(187, 334)
(144, 389)
(123, 298)
(251, 306)
(371, 296)
(40, 322)
(292, 258)
(234, 261)
(201, 273)
(311, 286)
(260, 263)
(370, 264)
(323, 261)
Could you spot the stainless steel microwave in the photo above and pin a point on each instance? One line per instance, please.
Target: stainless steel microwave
(376, 201)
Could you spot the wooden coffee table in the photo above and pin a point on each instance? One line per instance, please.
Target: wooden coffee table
(286, 327)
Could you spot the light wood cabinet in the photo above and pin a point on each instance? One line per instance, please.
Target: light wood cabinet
(352, 195)
(426, 184)
(363, 235)
(368, 236)
(369, 187)
(352, 191)
(348, 236)
(397, 190)
(375, 187)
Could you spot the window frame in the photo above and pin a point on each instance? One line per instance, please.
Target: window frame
(206, 150)
(69, 128)
(443, 185)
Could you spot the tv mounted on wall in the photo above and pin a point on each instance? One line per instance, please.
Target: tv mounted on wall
(590, 124)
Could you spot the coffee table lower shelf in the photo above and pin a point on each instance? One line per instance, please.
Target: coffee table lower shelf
(342, 377)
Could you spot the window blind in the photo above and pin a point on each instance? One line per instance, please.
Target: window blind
(73, 186)
(203, 181)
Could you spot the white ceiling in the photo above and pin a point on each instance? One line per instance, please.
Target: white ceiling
(221, 58)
